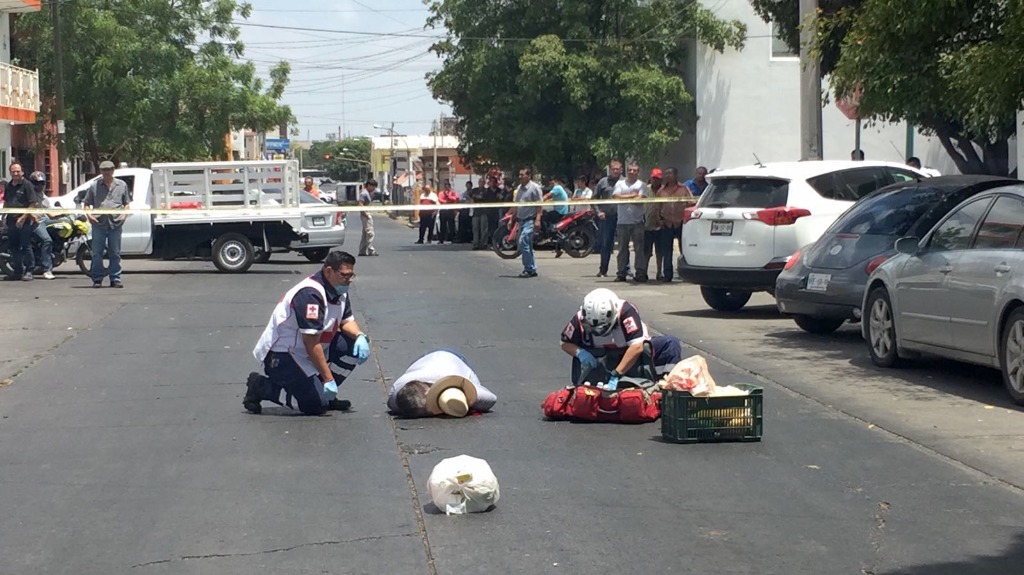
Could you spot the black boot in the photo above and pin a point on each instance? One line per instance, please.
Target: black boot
(251, 402)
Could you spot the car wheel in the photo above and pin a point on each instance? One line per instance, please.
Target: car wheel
(1013, 355)
(818, 325)
(233, 253)
(725, 299)
(316, 256)
(881, 329)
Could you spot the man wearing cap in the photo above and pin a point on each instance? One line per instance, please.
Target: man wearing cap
(652, 229)
(314, 314)
(439, 383)
(107, 193)
(611, 328)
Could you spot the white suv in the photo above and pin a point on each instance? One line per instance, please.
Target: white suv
(750, 220)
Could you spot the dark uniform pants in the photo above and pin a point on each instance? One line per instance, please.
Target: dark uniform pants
(284, 374)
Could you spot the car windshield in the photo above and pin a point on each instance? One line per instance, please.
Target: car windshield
(889, 214)
(726, 192)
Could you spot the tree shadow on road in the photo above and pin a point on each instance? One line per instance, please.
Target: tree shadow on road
(1012, 561)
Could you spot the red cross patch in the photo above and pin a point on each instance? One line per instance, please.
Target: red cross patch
(312, 311)
(569, 331)
(630, 325)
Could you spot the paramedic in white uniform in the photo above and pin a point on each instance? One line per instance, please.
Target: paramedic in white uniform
(311, 325)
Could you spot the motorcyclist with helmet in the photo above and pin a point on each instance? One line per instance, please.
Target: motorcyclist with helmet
(38, 181)
(610, 328)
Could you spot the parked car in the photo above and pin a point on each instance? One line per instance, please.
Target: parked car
(822, 285)
(958, 292)
(320, 230)
(750, 220)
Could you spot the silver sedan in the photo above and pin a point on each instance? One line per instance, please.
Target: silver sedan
(958, 292)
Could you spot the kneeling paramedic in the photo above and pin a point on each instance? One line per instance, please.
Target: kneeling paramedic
(439, 383)
(311, 316)
(610, 328)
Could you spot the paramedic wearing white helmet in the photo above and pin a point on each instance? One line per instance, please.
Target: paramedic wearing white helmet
(606, 326)
(312, 315)
(439, 383)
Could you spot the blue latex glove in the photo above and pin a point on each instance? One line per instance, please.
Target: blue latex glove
(330, 389)
(587, 359)
(613, 383)
(361, 349)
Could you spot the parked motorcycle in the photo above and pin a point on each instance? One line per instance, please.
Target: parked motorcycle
(576, 234)
(68, 232)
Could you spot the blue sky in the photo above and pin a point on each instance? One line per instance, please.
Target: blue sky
(348, 80)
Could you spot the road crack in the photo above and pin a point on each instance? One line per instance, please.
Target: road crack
(270, 551)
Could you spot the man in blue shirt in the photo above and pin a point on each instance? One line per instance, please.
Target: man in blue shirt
(556, 213)
(699, 183)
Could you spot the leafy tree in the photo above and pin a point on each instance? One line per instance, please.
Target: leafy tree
(344, 160)
(152, 80)
(954, 69)
(568, 85)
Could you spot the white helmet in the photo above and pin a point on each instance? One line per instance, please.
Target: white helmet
(600, 311)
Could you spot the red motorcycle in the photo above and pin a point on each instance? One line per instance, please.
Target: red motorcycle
(575, 234)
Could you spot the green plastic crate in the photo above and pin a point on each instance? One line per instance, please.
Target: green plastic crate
(689, 419)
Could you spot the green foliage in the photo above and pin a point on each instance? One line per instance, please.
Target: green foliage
(347, 160)
(152, 80)
(954, 68)
(565, 86)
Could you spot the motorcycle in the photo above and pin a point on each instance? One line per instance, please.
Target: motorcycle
(68, 232)
(575, 234)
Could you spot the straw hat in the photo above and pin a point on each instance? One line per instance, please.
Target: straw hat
(451, 395)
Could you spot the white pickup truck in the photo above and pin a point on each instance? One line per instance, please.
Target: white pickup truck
(230, 212)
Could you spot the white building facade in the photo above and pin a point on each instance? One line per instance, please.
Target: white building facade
(748, 108)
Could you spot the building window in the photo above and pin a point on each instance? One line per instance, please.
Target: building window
(781, 50)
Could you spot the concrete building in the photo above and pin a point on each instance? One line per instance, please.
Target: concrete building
(426, 159)
(747, 106)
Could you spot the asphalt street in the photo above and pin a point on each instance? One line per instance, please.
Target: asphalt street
(124, 447)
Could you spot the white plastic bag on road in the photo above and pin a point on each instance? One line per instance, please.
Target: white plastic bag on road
(463, 484)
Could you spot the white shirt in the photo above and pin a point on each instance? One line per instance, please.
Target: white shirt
(631, 213)
(435, 365)
(584, 194)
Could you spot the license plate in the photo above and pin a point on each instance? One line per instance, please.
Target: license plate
(818, 282)
(721, 228)
(319, 221)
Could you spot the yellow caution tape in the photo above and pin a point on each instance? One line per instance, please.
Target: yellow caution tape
(331, 208)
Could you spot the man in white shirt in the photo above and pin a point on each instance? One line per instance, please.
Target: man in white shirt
(439, 383)
(630, 225)
(581, 194)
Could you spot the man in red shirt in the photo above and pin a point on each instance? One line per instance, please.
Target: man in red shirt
(447, 217)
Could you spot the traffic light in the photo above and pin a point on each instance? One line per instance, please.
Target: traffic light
(327, 156)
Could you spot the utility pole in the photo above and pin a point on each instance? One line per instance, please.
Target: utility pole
(58, 89)
(433, 175)
(810, 85)
(391, 135)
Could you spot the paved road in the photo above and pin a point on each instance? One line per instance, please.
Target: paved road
(125, 449)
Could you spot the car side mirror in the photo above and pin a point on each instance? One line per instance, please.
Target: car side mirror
(909, 245)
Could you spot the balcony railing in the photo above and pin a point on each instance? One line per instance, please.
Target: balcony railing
(19, 88)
